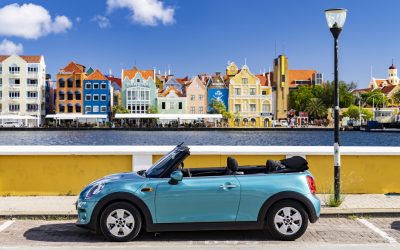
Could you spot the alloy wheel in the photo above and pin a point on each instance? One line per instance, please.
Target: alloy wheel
(120, 223)
(288, 220)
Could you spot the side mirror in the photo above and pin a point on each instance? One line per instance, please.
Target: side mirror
(176, 177)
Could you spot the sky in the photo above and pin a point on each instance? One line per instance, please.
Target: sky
(200, 36)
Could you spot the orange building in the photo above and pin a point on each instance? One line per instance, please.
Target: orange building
(69, 91)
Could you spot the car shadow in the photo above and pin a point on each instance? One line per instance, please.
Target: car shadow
(68, 232)
(395, 225)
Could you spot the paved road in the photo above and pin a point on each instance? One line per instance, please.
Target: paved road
(327, 233)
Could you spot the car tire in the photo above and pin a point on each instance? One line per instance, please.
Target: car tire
(287, 220)
(120, 221)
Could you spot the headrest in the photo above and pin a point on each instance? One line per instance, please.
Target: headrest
(232, 164)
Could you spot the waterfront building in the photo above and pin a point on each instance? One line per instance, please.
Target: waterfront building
(138, 90)
(171, 81)
(70, 88)
(97, 94)
(285, 80)
(249, 101)
(196, 96)
(49, 94)
(171, 101)
(231, 70)
(217, 89)
(116, 85)
(22, 86)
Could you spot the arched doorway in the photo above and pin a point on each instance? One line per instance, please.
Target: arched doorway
(266, 122)
(237, 122)
(253, 122)
(245, 122)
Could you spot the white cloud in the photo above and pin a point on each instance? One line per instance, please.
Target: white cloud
(102, 21)
(30, 21)
(7, 47)
(145, 12)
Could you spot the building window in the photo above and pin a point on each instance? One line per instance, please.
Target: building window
(138, 98)
(252, 108)
(266, 108)
(201, 97)
(237, 108)
(70, 108)
(88, 109)
(13, 94)
(163, 105)
(95, 98)
(61, 96)
(104, 97)
(87, 86)
(87, 97)
(32, 69)
(31, 94)
(103, 85)
(138, 80)
(14, 81)
(1, 94)
(264, 92)
(78, 83)
(201, 110)
(192, 110)
(237, 91)
(245, 80)
(78, 108)
(252, 91)
(283, 78)
(32, 107)
(70, 96)
(78, 95)
(192, 97)
(61, 83)
(103, 109)
(180, 105)
(95, 109)
(32, 81)
(13, 107)
(171, 105)
(70, 84)
(61, 108)
(95, 86)
(14, 69)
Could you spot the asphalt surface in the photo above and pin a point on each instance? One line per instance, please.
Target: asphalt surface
(327, 233)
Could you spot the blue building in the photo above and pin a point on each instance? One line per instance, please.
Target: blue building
(217, 90)
(97, 94)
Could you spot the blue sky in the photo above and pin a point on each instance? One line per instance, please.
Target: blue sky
(200, 36)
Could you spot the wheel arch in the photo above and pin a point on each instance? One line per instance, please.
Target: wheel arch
(287, 195)
(120, 197)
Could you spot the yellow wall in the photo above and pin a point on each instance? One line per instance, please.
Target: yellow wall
(56, 174)
(68, 174)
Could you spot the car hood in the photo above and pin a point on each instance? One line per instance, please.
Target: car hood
(120, 177)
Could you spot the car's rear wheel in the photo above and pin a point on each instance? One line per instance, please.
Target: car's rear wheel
(287, 220)
(120, 221)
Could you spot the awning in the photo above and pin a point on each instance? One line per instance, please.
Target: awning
(74, 116)
(18, 117)
(169, 116)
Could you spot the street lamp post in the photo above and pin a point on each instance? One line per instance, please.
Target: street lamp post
(336, 19)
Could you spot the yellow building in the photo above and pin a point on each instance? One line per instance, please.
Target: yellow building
(250, 99)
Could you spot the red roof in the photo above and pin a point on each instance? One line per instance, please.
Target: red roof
(74, 67)
(130, 73)
(116, 80)
(387, 89)
(96, 75)
(300, 75)
(28, 59)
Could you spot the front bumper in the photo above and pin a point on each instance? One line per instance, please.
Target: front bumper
(85, 209)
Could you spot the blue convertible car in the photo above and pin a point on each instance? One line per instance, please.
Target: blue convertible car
(279, 196)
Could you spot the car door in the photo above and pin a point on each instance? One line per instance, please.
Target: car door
(198, 199)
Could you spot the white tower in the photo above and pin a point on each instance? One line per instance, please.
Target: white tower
(392, 75)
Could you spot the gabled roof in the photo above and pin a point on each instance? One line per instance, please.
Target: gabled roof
(265, 79)
(130, 73)
(361, 91)
(182, 80)
(169, 89)
(116, 80)
(74, 68)
(387, 89)
(28, 59)
(89, 71)
(97, 75)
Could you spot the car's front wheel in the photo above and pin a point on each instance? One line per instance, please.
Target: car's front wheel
(287, 220)
(120, 221)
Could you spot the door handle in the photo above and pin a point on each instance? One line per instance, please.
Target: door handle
(225, 186)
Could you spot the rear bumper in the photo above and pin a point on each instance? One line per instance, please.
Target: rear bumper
(314, 209)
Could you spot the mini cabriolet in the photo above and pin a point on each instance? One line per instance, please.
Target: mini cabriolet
(278, 196)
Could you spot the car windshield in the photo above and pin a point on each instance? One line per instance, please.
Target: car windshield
(159, 167)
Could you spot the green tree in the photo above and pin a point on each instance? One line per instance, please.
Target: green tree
(375, 97)
(354, 113)
(299, 98)
(152, 110)
(316, 108)
(119, 109)
(396, 97)
(346, 98)
(216, 107)
(366, 114)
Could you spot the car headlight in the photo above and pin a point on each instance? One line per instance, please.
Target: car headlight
(94, 190)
